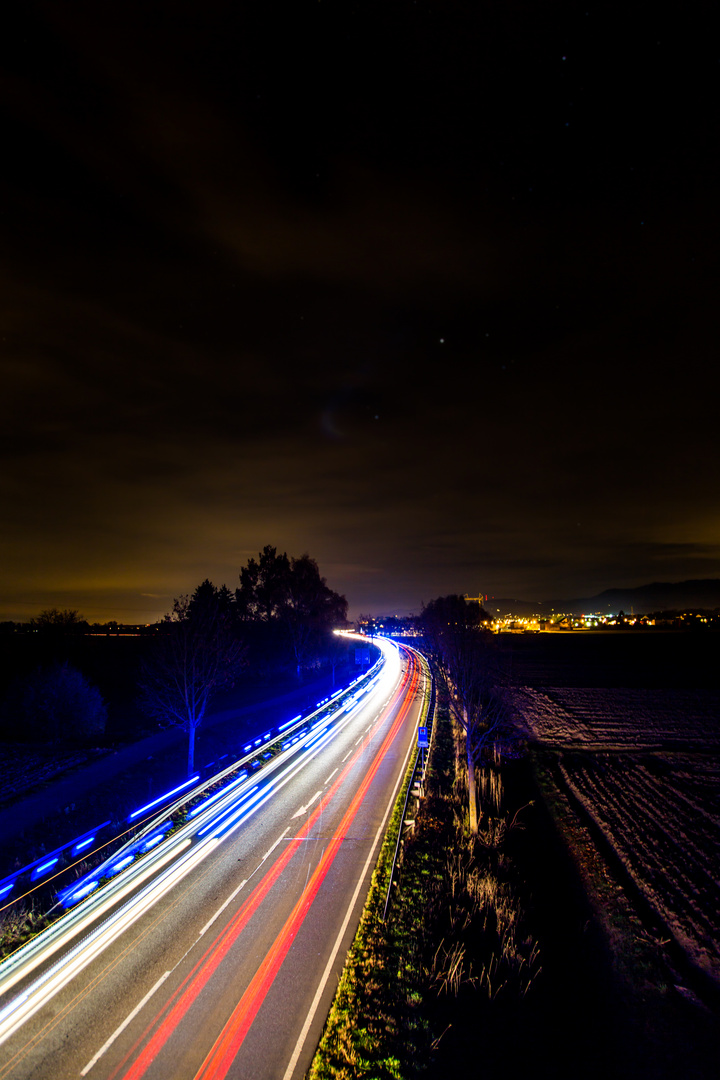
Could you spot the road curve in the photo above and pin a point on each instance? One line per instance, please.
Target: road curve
(223, 962)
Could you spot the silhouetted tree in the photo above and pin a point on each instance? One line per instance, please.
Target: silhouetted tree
(312, 609)
(368, 623)
(466, 665)
(263, 591)
(54, 704)
(196, 654)
(290, 596)
(54, 621)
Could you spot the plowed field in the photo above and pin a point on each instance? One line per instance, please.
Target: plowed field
(645, 767)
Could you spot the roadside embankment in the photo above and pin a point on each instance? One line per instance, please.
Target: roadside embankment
(111, 782)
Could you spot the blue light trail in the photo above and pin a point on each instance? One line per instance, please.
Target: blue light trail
(161, 798)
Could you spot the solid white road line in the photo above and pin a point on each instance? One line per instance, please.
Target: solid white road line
(222, 907)
(126, 1021)
(272, 848)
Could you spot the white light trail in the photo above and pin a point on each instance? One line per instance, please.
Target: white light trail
(60, 974)
(185, 850)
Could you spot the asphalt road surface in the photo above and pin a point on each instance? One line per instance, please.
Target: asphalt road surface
(221, 956)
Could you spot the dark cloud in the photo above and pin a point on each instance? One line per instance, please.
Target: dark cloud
(426, 290)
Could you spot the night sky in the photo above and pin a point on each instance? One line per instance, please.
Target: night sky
(427, 290)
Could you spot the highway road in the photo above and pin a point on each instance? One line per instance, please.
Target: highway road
(217, 954)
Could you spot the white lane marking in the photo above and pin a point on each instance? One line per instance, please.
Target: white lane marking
(27, 1004)
(336, 947)
(126, 1021)
(348, 915)
(77, 959)
(369, 726)
(346, 757)
(162, 979)
(359, 740)
(280, 837)
(304, 809)
(222, 907)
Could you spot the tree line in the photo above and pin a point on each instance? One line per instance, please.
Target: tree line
(278, 620)
(282, 608)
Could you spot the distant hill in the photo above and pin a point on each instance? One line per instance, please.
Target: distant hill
(658, 596)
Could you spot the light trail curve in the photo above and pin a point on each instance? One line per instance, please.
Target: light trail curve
(231, 974)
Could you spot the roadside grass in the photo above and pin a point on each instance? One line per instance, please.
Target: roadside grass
(455, 927)
(19, 925)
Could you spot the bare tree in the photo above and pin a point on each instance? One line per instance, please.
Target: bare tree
(196, 654)
(52, 620)
(466, 666)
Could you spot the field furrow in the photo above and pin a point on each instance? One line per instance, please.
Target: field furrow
(645, 767)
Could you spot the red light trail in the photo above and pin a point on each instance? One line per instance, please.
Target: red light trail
(226, 1047)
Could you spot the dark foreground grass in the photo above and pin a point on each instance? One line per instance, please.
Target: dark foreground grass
(454, 931)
